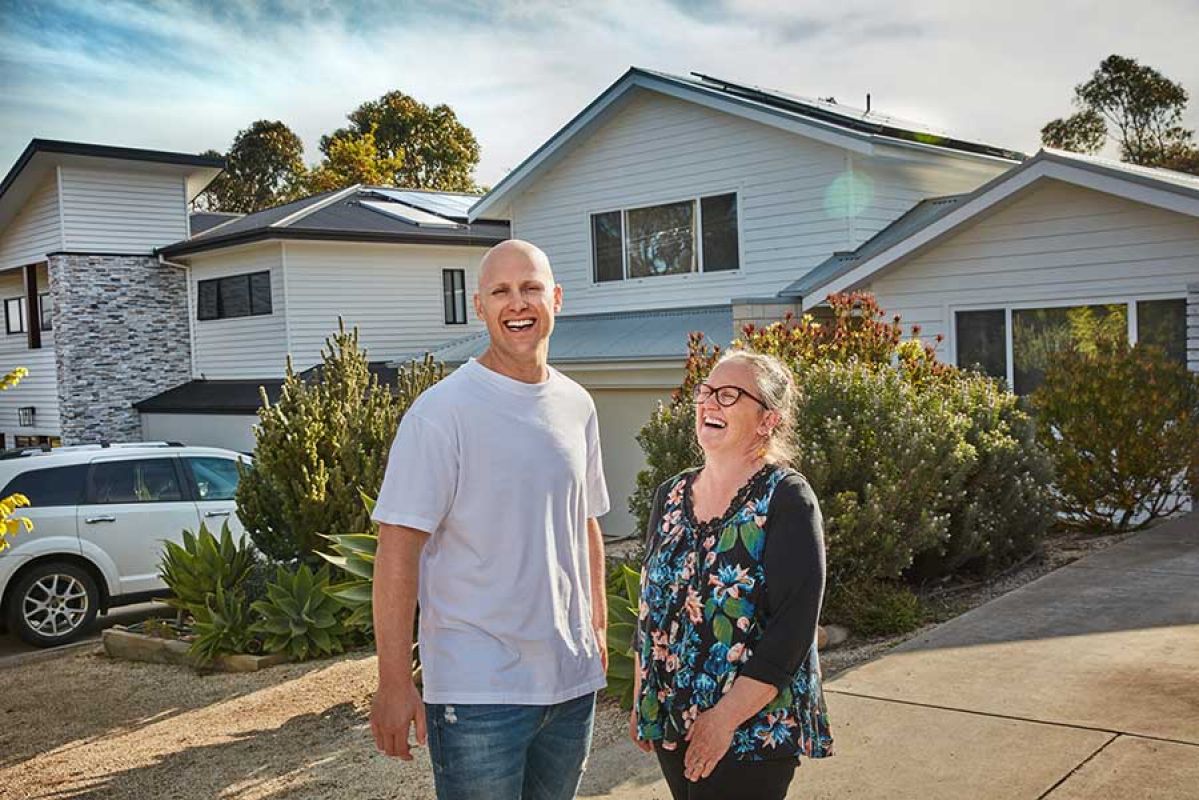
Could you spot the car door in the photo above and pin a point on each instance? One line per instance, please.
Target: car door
(133, 505)
(54, 494)
(213, 482)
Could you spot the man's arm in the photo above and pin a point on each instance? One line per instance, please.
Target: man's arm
(397, 703)
(599, 588)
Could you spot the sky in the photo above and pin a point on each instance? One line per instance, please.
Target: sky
(185, 76)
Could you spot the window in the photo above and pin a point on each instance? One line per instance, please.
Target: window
(982, 341)
(55, 486)
(719, 219)
(1163, 323)
(607, 242)
(234, 296)
(22, 442)
(453, 291)
(1038, 334)
(150, 480)
(214, 478)
(14, 313)
(697, 235)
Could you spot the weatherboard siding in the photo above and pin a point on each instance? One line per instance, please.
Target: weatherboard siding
(35, 231)
(40, 388)
(122, 211)
(242, 347)
(1055, 244)
(393, 293)
(794, 210)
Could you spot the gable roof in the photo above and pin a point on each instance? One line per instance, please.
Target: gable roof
(933, 220)
(654, 335)
(41, 156)
(354, 214)
(832, 123)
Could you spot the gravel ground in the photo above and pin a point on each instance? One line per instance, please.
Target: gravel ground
(86, 726)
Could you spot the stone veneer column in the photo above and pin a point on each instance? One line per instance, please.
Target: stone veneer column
(120, 335)
(1193, 327)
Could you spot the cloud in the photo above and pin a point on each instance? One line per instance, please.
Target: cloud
(188, 75)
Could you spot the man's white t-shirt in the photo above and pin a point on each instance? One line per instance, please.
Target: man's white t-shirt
(503, 475)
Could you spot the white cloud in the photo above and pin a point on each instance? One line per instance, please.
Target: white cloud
(182, 76)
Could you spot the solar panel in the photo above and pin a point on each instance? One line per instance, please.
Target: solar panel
(447, 205)
(413, 215)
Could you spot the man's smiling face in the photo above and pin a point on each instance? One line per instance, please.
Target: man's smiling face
(518, 299)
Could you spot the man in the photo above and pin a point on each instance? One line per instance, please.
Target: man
(489, 505)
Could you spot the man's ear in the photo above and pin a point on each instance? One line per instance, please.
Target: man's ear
(557, 297)
(478, 306)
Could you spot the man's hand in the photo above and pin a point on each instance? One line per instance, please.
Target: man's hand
(642, 745)
(709, 739)
(393, 711)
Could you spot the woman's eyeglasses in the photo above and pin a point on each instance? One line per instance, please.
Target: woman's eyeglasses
(726, 396)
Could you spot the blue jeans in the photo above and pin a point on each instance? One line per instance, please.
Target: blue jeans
(506, 752)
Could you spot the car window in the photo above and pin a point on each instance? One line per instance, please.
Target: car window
(214, 478)
(150, 480)
(53, 486)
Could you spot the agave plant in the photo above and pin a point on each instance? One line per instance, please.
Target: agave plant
(624, 598)
(222, 625)
(196, 569)
(299, 616)
(356, 557)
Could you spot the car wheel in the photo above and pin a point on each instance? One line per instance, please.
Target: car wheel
(52, 604)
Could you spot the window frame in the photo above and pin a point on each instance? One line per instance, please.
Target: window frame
(697, 236)
(23, 308)
(1128, 301)
(248, 277)
(449, 273)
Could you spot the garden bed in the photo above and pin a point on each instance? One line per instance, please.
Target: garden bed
(134, 645)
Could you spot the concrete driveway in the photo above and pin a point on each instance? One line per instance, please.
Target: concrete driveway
(1083, 684)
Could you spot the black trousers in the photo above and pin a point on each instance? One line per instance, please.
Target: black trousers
(731, 780)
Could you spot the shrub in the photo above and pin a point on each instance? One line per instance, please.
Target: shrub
(222, 625)
(624, 599)
(873, 608)
(922, 470)
(299, 616)
(325, 441)
(10, 525)
(1122, 426)
(202, 565)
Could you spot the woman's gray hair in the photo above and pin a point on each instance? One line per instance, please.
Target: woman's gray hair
(775, 384)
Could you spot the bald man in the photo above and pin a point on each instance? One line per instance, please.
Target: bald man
(487, 515)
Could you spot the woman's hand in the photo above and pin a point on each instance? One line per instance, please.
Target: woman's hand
(642, 745)
(708, 740)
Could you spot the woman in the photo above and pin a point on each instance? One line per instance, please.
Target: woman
(728, 687)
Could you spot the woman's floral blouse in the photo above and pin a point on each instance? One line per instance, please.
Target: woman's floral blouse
(736, 595)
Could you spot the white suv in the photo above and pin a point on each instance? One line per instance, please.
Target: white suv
(100, 516)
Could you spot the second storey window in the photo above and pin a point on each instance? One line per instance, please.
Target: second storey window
(696, 235)
(453, 291)
(14, 313)
(234, 296)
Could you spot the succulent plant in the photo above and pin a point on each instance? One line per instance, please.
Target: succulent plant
(222, 625)
(299, 616)
(202, 564)
(624, 598)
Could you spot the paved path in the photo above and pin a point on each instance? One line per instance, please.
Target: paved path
(1081, 685)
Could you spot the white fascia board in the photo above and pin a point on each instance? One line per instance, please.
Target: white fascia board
(998, 191)
(1139, 189)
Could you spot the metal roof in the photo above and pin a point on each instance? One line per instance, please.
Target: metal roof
(342, 215)
(921, 215)
(650, 335)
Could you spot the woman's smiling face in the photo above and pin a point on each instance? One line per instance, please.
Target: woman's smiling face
(739, 429)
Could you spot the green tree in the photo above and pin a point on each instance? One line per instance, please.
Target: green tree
(263, 168)
(1138, 107)
(354, 159)
(323, 443)
(436, 151)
